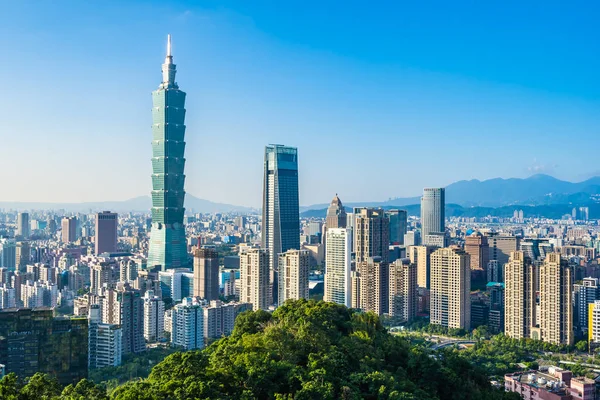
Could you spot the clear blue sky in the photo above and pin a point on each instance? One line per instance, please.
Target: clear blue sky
(380, 100)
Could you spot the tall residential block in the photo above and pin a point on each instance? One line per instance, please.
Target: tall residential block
(8, 254)
(370, 286)
(584, 294)
(371, 234)
(69, 229)
(336, 214)
(167, 246)
(593, 333)
(556, 295)
(338, 262)
(398, 225)
(451, 288)
(501, 246)
(106, 232)
(23, 254)
(294, 266)
(403, 290)
(433, 217)
(219, 318)
(519, 296)
(154, 317)
(187, 325)
(128, 308)
(476, 245)
(206, 274)
(255, 278)
(421, 256)
(104, 341)
(23, 225)
(281, 213)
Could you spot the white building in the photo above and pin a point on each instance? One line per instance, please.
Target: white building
(294, 267)
(176, 283)
(39, 294)
(338, 266)
(104, 341)
(187, 325)
(219, 318)
(154, 317)
(7, 297)
(255, 278)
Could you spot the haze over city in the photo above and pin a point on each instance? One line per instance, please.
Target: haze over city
(380, 102)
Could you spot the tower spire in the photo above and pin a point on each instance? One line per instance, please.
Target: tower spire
(168, 68)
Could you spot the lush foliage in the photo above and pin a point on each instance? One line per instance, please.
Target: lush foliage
(133, 366)
(501, 354)
(42, 387)
(311, 350)
(304, 350)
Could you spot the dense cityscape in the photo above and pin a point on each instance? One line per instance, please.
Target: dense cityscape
(86, 296)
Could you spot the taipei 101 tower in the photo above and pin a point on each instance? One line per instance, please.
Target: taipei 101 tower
(168, 246)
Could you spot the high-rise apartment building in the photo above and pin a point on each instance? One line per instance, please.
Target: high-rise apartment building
(476, 245)
(294, 266)
(206, 274)
(519, 296)
(496, 311)
(176, 283)
(187, 324)
(104, 341)
(421, 256)
(128, 309)
(338, 262)
(556, 294)
(370, 286)
(219, 318)
(255, 278)
(23, 254)
(594, 324)
(501, 246)
(398, 225)
(106, 232)
(34, 341)
(167, 246)
(403, 290)
(69, 229)
(281, 213)
(336, 214)
(584, 294)
(8, 254)
(433, 217)
(154, 317)
(101, 274)
(23, 225)
(371, 234)
(451, 288)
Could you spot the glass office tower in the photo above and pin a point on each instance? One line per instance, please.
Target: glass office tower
(167, 235)
(281, 215)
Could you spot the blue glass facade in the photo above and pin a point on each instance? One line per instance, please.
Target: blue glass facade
(167, 235)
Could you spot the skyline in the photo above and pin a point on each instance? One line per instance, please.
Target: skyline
(252, 82)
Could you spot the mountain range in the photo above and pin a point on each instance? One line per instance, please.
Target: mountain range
(141, 203)
(537, 190)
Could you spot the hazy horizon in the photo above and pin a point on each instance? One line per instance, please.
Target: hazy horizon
(380, 102)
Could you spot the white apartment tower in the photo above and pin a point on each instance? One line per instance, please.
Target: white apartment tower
(294, 267)
(338, 266)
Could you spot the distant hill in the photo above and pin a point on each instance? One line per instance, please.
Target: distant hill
(555, 211)
(141, 203)
(536, 190)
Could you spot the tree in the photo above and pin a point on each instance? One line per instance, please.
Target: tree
(582, 345)
(9, 387)
(84, 390)
(40, 387)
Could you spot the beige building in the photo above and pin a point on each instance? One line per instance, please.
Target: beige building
(451, 288)
(476, 245)
(371, 234)
(403, 290)
(501, 246)
(255, 278)
(294, 266)
(421, 256)
(556, 294)
(370, 286)
(206, 274)
(519, 296)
